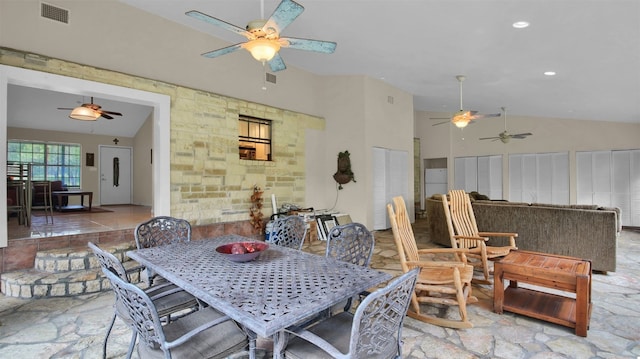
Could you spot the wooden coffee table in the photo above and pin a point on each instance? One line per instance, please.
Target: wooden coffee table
(557, 272)
(61, 194)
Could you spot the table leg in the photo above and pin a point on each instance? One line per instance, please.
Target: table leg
(280, 340)
(498, 288)
(583, 298)
(252, 343)
(59, 204)
(90, 199)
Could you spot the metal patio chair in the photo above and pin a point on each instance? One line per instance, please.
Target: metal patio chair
(374, 331)
(203, 334)
(159, 231)
(288, 231)
(167, 297)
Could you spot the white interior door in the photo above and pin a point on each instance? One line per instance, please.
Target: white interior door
(115, 175)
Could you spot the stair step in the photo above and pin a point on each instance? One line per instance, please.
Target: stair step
(73, 259)
(63, 273)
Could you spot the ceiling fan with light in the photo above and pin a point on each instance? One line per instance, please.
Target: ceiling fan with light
(463, 117)
(90, 112)
(263, 36)
(505, 136)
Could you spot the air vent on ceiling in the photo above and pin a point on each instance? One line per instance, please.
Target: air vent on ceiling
(54, 13)
(271, 78)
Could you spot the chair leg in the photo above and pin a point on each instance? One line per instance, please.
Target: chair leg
(132, 344)
(460, 296)
(106, 338)
(464, 323)
(485, 266)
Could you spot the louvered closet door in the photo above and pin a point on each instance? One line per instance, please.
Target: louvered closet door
(390, 179)
(625, 185)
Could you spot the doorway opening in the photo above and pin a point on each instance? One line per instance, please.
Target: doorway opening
(161, 125)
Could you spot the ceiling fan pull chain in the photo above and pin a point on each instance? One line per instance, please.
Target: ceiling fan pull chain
(264, 77)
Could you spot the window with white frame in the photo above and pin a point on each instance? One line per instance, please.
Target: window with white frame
(254, 139)
(49, 161)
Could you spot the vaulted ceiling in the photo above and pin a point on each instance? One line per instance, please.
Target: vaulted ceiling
(420, 46)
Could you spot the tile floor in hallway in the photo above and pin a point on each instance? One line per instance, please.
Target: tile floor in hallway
(76, 222)
(74, 327)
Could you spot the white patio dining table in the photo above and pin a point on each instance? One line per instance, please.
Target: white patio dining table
(279, 289)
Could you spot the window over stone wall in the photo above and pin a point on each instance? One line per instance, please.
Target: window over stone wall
(254, 139)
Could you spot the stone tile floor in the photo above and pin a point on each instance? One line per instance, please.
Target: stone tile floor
(74, 327)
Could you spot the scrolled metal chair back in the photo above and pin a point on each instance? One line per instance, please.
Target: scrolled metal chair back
(109, 261)
(288, 232)
(377, 323)
(140, 309)
(352, 243)
(162, 230)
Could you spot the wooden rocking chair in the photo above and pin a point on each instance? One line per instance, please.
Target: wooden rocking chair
(439, 282)
(464, 233)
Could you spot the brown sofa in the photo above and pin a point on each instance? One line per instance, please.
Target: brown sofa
(587, 232)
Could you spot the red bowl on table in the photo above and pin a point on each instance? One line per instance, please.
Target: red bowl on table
(242, 251)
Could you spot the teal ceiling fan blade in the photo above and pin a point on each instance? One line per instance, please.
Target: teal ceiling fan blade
(222, 51)
(277, 64)
(282, 16)
(220, 23)
(326, 47)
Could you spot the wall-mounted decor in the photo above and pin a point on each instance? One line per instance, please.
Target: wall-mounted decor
(89, 160)
(344, 174)
(255, 211)
(116, 172)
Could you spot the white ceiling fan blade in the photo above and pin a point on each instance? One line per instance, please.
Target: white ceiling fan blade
(282, 16)
(326, 47)
(479, 115)
(222, 51)
(220, 23)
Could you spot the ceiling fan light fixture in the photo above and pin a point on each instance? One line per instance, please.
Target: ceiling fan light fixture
(84, 114)
(262, 49)
(461, 119)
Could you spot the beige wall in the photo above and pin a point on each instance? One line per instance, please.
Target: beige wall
(549, 135)
(360, 117)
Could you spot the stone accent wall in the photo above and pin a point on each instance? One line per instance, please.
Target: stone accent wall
(209, 183)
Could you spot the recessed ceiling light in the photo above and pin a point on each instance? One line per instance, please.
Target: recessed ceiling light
(520, 24)
(550, 73)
